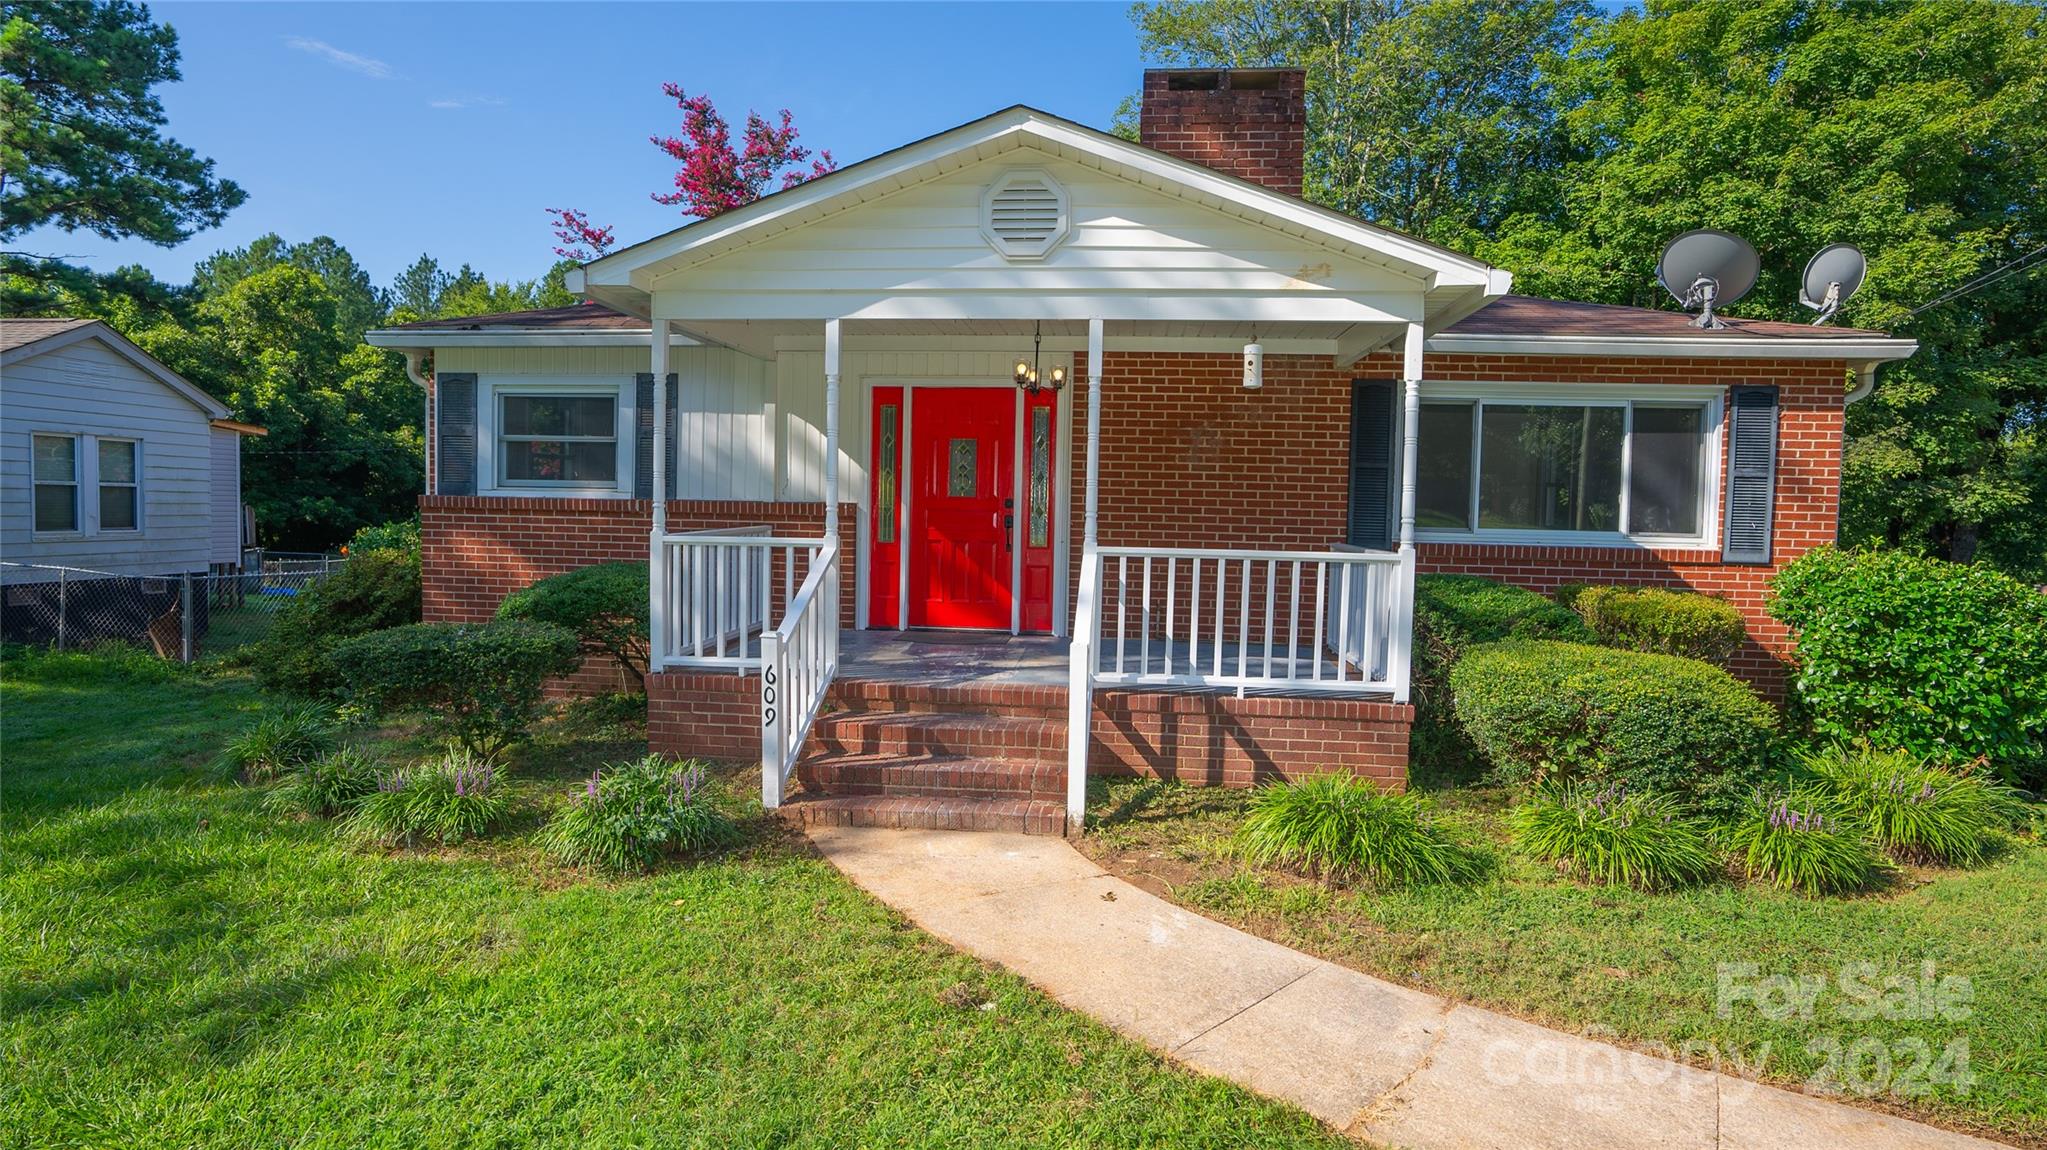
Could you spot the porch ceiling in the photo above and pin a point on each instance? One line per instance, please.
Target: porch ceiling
(763, 338)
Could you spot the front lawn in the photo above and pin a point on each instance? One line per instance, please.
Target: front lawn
(1665, 970)
(179, 967)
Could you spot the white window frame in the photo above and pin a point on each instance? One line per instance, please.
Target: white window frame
(1710, 398)
(77, 481)
(98, 483)
(490, 448)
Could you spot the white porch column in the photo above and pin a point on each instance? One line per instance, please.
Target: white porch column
(1094, 428)
(657, 558)
(831, 429)
(1410, 424)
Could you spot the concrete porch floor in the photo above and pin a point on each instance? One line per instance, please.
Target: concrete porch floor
(942, 658)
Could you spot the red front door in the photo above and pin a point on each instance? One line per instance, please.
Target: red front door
(962, 512)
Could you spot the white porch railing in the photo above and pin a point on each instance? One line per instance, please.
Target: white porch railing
(1303, 621)
(799, 659)
(1337, 622)
(723, 587)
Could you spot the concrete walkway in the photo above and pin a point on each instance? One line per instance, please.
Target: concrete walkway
(1379, 1061)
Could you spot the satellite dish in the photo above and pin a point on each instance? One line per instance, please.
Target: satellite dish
(1707, 269)
(1831, 276)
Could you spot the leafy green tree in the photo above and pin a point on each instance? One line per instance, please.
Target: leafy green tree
(81, 138)
(361, 305)
(344, 443)
(418, 289)
(1917, 132)
(1430, 117)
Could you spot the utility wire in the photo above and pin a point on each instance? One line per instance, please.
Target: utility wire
(2029, 262)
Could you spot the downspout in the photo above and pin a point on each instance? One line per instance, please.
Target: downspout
(414, 357)
(1865, 382)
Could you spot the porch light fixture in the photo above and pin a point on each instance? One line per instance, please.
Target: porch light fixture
(1254, 363)
(1027, 370)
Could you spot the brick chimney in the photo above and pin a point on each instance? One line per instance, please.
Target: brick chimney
(1250, 122)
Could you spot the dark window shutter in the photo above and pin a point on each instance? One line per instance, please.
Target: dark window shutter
(643, 440)
(1371, 463)
(643, 452)
(455, 428)
(1751, 473)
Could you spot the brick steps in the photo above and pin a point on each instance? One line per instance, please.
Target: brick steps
(936, 756)
(1017, 816)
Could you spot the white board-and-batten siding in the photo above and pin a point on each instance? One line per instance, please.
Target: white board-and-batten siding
(84, 388)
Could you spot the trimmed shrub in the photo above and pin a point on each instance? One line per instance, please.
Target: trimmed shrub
(1797, 841)
(454, 797)
(478, 684)
(398, 535)
(605, 605)
(281, 741)
(1662, 622)
(1915, 810)
(1943, 660)
(1544, 710)
(1452, 615)
(629, 815)
(372, 591)
(326, 786)
(1340, 827)
(1610, 834)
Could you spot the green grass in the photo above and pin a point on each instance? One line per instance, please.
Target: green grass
(1636, 966)
(180, 967)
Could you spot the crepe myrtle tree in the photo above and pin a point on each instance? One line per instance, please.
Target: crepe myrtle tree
(712, 175)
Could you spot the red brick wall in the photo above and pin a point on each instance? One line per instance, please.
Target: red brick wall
(475, 550)
(1191, 458)
(704, 714)
(1255, 134)
(1221, 740)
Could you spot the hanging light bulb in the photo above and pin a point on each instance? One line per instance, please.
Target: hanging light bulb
(1027, 370)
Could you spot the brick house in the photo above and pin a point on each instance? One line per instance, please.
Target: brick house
(1024, 451)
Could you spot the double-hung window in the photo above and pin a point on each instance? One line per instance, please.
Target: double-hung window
(557, 440)
(1525, 467)
(119, 486)
(56, 482)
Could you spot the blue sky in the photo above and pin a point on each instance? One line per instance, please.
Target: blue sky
(450, 128)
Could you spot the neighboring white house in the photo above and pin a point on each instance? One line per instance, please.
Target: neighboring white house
(108, 459)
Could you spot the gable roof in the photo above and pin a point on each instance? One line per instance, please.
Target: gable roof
(622, 278)
(25, 339)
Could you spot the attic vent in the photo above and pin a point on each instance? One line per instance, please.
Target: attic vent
(1023, 215)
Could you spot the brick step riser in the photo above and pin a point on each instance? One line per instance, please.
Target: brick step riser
(931, 782)
(890, 813)
(911, 741)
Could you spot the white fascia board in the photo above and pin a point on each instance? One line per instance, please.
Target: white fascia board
(1029, 305)
(1687, 347)
(515, 337)
(1006, 130)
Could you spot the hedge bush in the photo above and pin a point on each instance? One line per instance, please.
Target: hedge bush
(479, 684)
(1452, 615)
(398, 535)
(1944, 660)
(1542, 710)
(605, 605)
(1662, 622)
(372, 591)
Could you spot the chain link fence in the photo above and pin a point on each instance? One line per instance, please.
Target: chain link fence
(178, 616)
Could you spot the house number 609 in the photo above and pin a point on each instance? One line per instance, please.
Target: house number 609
(768, 694)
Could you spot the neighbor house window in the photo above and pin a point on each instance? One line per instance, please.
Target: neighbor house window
(570, 440)
(56, 482)
(1595, 467)
(120, 487)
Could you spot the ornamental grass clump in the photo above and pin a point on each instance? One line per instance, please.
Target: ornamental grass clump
(448, 799)
(1917, 811)
(1610, 834)
(1799, 841)
(1340, 827)
(327, 786)
(279, 742)
(628, 816)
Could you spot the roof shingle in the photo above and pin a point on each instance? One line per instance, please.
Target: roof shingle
(22, 332)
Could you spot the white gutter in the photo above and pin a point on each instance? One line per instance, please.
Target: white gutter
(413, 359)
(518, 337)
(1865, 382)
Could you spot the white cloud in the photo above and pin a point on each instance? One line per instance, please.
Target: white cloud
(456, 102)
(368, 66)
